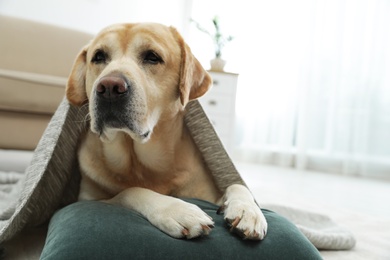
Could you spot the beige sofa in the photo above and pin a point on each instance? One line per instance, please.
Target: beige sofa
(35, 60)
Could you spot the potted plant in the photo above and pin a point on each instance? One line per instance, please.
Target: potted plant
(219, 40)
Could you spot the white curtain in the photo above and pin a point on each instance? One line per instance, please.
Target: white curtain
(314, 84)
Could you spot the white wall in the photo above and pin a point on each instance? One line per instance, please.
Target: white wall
(93, 15)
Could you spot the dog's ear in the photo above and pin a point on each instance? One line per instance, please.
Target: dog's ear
(194, 80)
(75, 88)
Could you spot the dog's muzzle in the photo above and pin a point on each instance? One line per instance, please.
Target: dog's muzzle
(112, 98)
(114, 106)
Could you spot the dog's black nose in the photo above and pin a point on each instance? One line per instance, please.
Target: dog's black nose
(112, 87)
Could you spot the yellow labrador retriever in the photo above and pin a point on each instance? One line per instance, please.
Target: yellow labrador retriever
(136, 80)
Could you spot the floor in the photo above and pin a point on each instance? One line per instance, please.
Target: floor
(313, 189)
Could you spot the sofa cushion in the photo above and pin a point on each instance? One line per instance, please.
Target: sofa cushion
(21, 130)
(30, 95)
(36, 59)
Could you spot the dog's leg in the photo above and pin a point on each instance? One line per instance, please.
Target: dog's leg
(243, 214)
(173, 216)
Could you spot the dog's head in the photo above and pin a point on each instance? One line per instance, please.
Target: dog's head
(132, 76)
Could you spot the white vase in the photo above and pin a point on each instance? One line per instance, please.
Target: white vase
(217, 64)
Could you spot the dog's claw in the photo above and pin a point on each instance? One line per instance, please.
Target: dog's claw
(207, 229)
(221, 209)
(185, 232)
(235, 222)
(246, 233)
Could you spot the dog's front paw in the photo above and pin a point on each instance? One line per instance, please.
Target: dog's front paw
(181, 219)
(242, 214)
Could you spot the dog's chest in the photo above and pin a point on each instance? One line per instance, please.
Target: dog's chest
(117, 166)
(137, 175)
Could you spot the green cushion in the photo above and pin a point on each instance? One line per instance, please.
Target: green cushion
(95, 230)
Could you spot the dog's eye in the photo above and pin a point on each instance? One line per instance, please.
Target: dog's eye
(152, 58)
(99, 57)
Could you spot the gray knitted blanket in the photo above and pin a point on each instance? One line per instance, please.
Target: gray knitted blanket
(51, 180)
